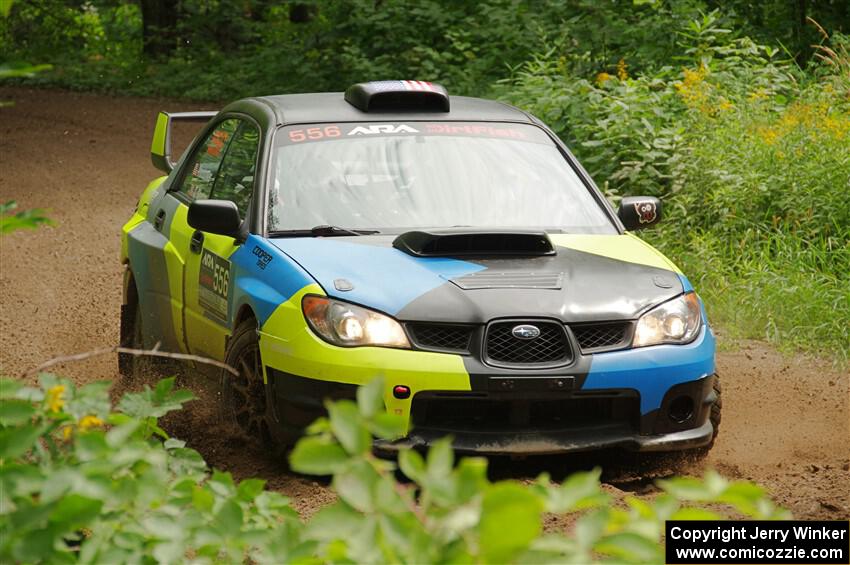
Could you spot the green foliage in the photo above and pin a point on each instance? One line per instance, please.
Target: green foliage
(81, 483)
(26, 219)
(235, 48)
(749, 154)
(452, 512)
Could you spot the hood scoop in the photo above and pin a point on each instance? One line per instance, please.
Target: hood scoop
(452, 243)
(510, 279)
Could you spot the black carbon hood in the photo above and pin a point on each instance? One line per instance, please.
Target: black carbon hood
(572, 286)
(588, 278)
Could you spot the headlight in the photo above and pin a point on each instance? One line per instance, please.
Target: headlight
(348, 325)
(675, 321)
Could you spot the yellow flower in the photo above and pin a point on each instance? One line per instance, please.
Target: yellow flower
(758, 95)
(622, 74)
(726, 105)
(602, 78)
(54, 399)
(769, 135)
(693, 89)
(67, 432)
(89, 422)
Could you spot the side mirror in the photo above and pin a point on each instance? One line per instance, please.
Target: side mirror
(638, 212)
(215, 216)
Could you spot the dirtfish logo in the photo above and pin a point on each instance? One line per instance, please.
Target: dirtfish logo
(382, 128)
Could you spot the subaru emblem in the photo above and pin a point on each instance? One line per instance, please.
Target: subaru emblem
(525, 331)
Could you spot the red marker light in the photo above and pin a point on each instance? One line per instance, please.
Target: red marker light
(401, 392)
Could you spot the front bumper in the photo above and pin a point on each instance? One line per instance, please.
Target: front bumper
(573, 421)
(623, 399)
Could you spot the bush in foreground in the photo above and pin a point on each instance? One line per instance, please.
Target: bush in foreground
(82, 482)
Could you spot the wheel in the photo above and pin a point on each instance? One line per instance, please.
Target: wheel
(244, 400)
(133, 367)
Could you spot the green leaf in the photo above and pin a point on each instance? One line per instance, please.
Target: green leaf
(6, 7)
(510, 521)
(590, 528)
(387, 426)
(38, 546)
(202, 498)
(370, 397)
(412, 465)
(229, 517)
(440, 459)
(581, 490)
(471, 477)
(14, 412)
(8, 387)
(348, 427)
(124, 428)
(17, 441)
(19, 480)
(317, 456)
(631, 547)
(356, 486)
(248, 489)
(686, 488)
(337, 521)
(74, 511)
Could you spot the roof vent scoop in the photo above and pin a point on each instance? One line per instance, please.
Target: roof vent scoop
(398, 95)
(474, 243)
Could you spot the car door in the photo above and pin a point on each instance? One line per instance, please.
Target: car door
(161, 271)
(208, 290)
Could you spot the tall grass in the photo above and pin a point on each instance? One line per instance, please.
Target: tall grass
(752, 157)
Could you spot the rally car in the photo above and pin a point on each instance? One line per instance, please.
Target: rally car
(451, 246)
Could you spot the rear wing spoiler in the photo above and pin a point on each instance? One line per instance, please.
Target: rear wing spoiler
(161, 144)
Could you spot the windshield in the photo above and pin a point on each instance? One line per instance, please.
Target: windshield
(399, 176)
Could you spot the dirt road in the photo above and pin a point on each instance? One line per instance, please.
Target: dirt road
(786, 421)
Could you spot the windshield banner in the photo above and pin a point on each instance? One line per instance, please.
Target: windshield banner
(297, 135)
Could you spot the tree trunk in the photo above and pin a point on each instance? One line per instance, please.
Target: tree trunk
(800, 32)
(159, 26)
(302, 13)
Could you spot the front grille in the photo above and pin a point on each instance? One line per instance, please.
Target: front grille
(479, 412)
(549, 348)
(443, 337)
(595, 337)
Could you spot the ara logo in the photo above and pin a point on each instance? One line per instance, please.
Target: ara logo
(382, 128)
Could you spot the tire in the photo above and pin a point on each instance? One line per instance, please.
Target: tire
(244, 400)
(133, 367)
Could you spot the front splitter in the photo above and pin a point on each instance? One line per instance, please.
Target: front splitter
(547, 443)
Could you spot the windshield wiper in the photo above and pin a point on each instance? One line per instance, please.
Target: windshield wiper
(321, 231)
(325, 231)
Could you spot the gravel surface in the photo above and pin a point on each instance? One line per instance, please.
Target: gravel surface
(786, 420)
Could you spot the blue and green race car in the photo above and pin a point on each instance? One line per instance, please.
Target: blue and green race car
(451, 246)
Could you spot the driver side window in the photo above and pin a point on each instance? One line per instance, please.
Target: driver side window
(235, 180)
(203, 167)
